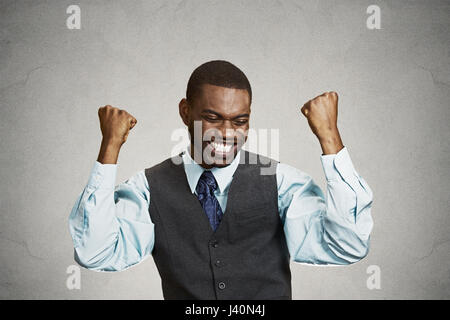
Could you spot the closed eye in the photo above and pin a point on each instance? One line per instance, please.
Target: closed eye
(241, 122)
(211, 119)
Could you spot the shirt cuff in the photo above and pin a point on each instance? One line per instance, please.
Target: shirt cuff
(337, 166)
(103, 176)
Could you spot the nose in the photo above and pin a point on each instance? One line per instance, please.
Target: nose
(227, 131)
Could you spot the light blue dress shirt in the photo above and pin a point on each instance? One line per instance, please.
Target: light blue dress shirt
(112, 229)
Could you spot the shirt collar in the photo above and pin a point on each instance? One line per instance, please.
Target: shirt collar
(223, 175)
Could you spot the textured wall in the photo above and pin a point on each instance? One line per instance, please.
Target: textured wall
(394, 119)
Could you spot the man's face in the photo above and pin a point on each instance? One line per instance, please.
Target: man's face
(223, 114)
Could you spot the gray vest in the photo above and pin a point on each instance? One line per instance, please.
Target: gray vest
(245, 258)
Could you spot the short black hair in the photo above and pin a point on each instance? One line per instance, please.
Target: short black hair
(219, 73)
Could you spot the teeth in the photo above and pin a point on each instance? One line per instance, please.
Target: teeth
(224, 148)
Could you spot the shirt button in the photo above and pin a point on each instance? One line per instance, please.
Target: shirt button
(222, 285)
(218, 263)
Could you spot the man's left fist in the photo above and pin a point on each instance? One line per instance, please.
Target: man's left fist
(321, 113)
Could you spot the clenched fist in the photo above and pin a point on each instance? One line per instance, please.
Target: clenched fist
(321, 113)
(115, 124)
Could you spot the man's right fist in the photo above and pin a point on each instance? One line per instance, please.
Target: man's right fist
(115, 124)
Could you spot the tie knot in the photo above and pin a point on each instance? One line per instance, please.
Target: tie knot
(209, 179)
(206, 184)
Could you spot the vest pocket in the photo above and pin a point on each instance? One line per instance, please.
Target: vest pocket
(251, 214)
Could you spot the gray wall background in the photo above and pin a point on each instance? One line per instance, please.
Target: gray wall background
(394, 119)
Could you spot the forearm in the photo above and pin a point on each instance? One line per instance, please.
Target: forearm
(347, 221)
(93, 223)
(109, 152)
(325, 230)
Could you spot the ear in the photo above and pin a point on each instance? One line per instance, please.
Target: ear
(185, 111)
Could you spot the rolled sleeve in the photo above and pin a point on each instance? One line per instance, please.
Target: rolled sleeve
(103, 176)
(331, 161)
(340, 167)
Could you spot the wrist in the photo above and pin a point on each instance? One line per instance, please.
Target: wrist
(331, 143)
(109, 152)
(111, 143)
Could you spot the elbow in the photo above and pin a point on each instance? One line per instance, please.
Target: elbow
(94, 262)
(350, 251)
(348, 258)
(84, 260)
(360, 255)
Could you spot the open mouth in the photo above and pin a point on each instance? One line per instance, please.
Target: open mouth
(222, 148)
(219, 149)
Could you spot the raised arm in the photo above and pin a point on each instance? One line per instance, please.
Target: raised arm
(110, 225)
(325, 230)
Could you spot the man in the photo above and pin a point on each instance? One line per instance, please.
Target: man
(218, 225)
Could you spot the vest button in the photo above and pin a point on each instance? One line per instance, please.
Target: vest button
(222, 285)
(214, 244)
